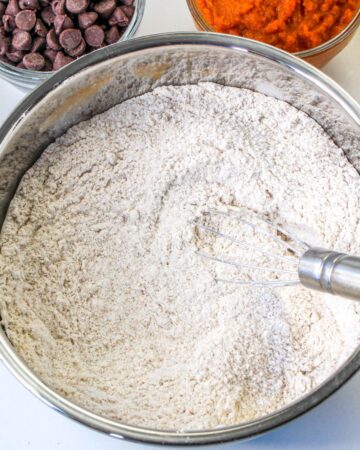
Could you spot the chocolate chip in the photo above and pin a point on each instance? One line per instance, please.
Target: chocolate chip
(22, 40)
(29, 4)
(25, 20)
(79, 50)
(112, 35)
(50, 54)
(58, 23)
(9, 23)
(105, 8)
(6, 60)
(15, 30)
(118, 17)
(40, 28)
(58, 6)
(87, 19)
(77, 6)
(61, 60)
(94, 36)
(12, 8)
(128, 10)
(4, 45)
(38, 44)
(15, 55)
(48, 15)
(62, 22)
(34, 61)
(70, 38)
(52, 40)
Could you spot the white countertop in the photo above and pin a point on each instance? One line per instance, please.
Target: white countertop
(27, 423)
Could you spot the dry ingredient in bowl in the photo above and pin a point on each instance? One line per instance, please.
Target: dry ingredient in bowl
(102, 292)
(293, 25)
(46, 35)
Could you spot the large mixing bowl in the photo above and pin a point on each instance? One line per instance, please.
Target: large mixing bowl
(101, 80)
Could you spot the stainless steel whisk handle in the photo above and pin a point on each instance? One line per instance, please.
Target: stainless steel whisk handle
(331, 272)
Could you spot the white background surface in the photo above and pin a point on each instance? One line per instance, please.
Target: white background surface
(28, 424)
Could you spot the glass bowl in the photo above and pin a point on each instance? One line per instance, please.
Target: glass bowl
(28, 79)
(317, 56)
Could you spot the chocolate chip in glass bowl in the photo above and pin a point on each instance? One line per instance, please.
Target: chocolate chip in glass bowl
(8, 23)
(25, 19)
(77, 51)
(29, 4)
(62, 22)
(59, 30)
(58, 6)
(40, 28)
(105, 8)
(50, 54)
(94, 36)
(52, 40)
(15, 55)
(39, 44)
(118, 17)
(33, 61)
(77, 6)
(5, 59)
(4, 44)
(70, 38)
(112, 35)
(12, 8)
(61, 60)
(87, 19)
(128, 10)
(48, 16)
(22, 40)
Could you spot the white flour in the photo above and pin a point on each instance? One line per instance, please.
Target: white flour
(102, 291)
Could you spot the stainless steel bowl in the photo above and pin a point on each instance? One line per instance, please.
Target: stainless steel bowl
(100, 80)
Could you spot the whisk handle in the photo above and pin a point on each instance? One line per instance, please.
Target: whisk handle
(331, 272)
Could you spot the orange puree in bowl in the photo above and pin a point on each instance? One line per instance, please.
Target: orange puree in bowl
(292, 25)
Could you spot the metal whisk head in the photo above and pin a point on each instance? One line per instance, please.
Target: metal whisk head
(286, 258)
(282, 260)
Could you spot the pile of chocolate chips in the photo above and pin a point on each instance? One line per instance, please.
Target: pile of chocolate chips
(48, 34)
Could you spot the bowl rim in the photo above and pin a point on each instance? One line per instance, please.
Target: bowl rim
(327, 45)
(35, 76)
(135, 433)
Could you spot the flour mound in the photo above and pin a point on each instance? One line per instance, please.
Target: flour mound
(103, 293)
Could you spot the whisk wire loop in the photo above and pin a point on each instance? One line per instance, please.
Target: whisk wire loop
(277, 237)
(246, 245)
(259, 230)
(246, 266)
(275, 283)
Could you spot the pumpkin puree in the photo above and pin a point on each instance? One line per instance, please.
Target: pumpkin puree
(292, 25)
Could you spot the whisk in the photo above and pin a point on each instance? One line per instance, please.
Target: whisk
(315, 268)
